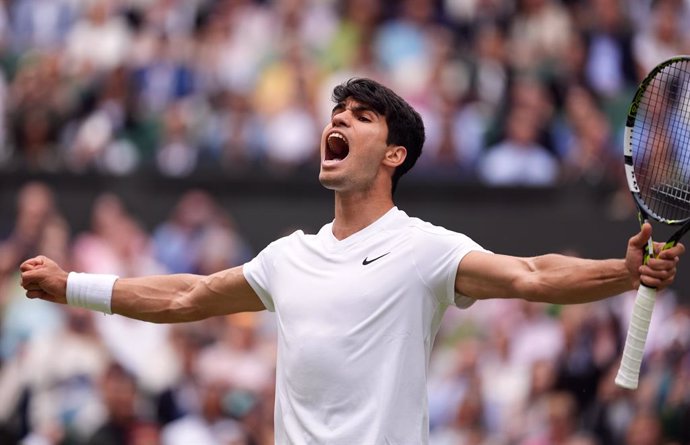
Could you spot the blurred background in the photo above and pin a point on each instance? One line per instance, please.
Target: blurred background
(163, 136)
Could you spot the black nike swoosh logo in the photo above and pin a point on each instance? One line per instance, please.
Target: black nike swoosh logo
(369, 261)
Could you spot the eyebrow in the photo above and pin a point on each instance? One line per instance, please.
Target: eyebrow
(359, 108)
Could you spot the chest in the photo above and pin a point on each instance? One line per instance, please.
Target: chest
(343, 289)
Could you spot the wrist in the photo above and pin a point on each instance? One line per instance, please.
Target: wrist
(90, 291)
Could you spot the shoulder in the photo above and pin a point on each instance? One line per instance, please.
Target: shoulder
(427, 231)
(426, 239)
(289, 241)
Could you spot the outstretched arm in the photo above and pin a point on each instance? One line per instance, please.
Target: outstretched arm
(158, 298)
(562, 279)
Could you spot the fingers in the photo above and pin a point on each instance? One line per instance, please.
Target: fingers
(30, 278)
(35, 270)
(659, 272)
(656, 283)
(32, 274)
(40, 294)
(674, 252)
(31, 286)
(640, 239)
(32, 263)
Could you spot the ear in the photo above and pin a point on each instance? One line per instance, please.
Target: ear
(395, 155)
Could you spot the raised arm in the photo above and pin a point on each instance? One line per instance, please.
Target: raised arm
(562, 279)
(158, 298)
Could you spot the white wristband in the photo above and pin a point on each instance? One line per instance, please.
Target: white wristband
(90, 291)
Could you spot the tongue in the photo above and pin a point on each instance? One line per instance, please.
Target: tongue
(338, 147)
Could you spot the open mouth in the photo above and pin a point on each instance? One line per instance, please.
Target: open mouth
(337, 147)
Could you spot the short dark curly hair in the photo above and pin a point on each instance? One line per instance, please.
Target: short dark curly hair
(405, 126)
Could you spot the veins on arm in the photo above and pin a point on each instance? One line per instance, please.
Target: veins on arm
(184, 297)
(551, 278)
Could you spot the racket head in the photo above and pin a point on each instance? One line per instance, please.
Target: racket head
(657, 143)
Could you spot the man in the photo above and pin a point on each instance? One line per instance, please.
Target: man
(358, 304)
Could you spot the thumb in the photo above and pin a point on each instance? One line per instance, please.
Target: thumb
(642, 237)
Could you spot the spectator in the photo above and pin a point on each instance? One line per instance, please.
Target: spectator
(404, 46)
(230, 134)
(610, 67)
(99, 40)
(539, 34)
(100, 139)
(167, 77)
(38, 227)
(519, 159)
(34, 123)
(177, 155)
(664, 37)
(559, 421)
(645, 429)
(40, 24)
(586, 145)
(612, 411)
(60, 376)
(177, 241)
(352, 38)
(123, 423)
(209, 426)
(467, 426)
(240, 358)
(118, 243)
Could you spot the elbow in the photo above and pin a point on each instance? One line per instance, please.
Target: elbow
(161, 301)
(531, 288)
(183, 308)
(533, 284)
(195, 302)
(177, 311)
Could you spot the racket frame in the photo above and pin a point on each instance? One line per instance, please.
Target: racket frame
(629, 370)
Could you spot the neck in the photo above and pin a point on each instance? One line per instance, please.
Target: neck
(355, 211)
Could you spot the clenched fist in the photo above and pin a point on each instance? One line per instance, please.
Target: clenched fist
(43, 278)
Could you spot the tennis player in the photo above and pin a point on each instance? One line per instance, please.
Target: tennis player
(359, 303)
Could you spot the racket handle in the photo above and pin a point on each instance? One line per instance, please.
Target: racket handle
(629, 370)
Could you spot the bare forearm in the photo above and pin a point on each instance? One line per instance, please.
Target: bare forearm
(549, 278)
(184, 297)
(159, 299)
(568, 280)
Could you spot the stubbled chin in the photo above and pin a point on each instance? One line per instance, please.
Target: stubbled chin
(330, 180)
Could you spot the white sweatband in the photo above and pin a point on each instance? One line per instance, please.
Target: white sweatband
(90, 291)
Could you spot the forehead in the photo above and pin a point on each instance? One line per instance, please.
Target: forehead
(352, 104)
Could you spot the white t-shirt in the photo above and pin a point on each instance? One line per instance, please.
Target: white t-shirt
(356, 323)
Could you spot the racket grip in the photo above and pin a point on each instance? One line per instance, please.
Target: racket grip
(629, 370)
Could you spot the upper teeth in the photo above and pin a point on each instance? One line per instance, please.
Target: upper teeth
(337, 135)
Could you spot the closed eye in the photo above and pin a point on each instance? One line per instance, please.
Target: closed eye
(365, 115)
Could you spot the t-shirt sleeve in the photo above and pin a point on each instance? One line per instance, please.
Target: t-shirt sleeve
(438, 254)
(258, 273)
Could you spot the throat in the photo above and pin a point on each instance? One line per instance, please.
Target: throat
(354, 214)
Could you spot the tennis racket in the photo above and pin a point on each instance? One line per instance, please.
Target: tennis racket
(657, 167)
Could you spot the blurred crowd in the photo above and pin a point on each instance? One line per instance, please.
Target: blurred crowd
(69, 376)
(523, 92)
(528, 92)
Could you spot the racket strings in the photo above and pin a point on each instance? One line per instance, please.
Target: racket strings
(661, 143)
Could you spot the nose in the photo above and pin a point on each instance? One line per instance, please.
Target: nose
(341, 118)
